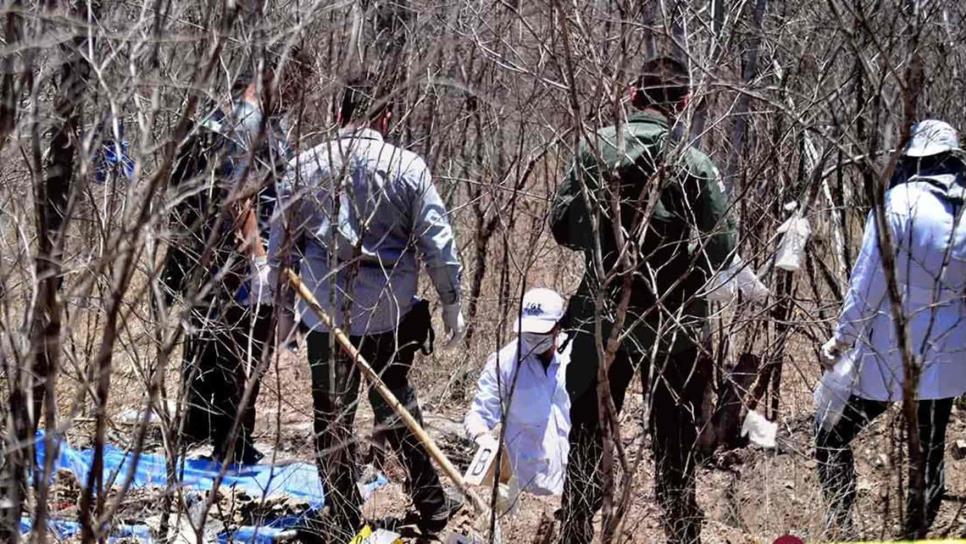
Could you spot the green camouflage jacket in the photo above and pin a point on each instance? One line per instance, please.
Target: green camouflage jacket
(688, 237)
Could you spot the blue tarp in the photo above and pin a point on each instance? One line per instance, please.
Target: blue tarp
(62, 529)
(297, 480)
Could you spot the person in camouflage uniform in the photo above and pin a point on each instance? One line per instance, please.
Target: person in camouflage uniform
(680, 241)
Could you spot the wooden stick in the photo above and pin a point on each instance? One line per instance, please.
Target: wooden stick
(376, 382)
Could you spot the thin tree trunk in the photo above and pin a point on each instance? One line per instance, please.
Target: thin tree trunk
(9, 90)
(915, 522)
(17, 454)
(51, 200)
(749, 71)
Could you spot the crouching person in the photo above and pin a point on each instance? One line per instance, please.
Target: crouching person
(522, 387)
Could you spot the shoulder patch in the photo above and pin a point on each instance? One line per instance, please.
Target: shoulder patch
(701, 165)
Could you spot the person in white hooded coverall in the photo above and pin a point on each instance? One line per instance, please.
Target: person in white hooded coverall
(525, 381)
(923, 210)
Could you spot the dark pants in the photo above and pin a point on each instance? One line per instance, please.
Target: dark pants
(335, 407)
(836, 465)
(219, 359)
(676, 385)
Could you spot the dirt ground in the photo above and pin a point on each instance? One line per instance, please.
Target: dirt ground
(752, 495)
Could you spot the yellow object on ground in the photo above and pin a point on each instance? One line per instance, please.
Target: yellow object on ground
(379, 536)
(365, 533)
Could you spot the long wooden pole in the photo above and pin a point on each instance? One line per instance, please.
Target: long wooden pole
(376, 382)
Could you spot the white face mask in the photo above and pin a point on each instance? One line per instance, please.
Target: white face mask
(537, 344)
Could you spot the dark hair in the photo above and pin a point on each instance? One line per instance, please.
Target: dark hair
(663, 81)
(363, 99)
(244, 78)
(297, 72)
(297, 69)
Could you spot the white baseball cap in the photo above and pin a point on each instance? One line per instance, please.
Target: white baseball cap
(931, 137)
(542, 309)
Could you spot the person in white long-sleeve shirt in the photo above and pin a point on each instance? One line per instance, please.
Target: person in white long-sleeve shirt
(361, 216)
(923, 211)
(522, 387)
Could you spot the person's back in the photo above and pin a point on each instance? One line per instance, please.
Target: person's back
(673, 266)
(376, 217)
(676, 233)
(929, 240)
(865, 358)
(355, 214)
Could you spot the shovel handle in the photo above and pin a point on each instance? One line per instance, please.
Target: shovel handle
(376, 383)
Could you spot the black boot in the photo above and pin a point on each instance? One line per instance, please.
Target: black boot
(434, 522)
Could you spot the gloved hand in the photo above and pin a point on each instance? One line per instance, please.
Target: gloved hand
(453, 324)
(261, 287)
(488, 437)
(831, 352)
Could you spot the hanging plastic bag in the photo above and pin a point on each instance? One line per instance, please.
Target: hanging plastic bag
(834, 390)
(750, 286)
(791, 248)
(724, 286)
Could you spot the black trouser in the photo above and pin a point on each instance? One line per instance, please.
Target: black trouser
(836, 465)
(219, 359)
(677, 391)
(335, 407)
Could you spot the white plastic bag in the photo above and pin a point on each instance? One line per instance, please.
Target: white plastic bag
(791, 248)
(724, 286)
(750, 286)
(834, 390)
(506, 497)
(759, 430)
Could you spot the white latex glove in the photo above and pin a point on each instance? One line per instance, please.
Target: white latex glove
(453, 324)
(486, 438)
(475, 427)
(830, 353)
(724, 286)
(261, 287)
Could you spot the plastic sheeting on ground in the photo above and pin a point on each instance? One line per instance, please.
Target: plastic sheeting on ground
(62, 529)
(297, 480)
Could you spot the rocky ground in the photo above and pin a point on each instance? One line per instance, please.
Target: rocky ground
(748, 495)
